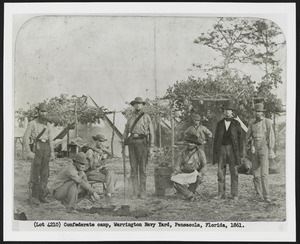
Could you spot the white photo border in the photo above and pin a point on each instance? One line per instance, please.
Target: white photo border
(282, 14)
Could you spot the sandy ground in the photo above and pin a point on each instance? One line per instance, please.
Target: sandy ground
(168, 208)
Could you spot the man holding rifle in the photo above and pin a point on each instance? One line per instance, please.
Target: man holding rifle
(139, 136)
(96, 170)
(39, 130)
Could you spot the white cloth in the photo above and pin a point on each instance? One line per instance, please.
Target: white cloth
(185, 178)
(227, 124)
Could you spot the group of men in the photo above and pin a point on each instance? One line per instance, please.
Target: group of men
(72, 182)
(229, 148)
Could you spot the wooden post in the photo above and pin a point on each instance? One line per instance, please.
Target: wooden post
(159, 131)
(113, 135)
(172, 137)
(76, 129)
(68, 141)
(274, 123)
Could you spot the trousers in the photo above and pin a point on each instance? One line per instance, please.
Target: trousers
(260, 168)
(227, 156)
(40, 170)
(105, 176)
(138, 157)
(188, 190)
(69, 193)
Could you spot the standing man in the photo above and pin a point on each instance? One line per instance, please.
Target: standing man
(139, 134)
(190, 169)
(39, 130)
(260, 130)
(228, 150)
(198, 129)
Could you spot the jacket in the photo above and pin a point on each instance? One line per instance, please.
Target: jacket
(236, 138)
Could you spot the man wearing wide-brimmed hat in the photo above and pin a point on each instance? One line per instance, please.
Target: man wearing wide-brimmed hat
(71, 183)
(190, 168)
(228, 149)
(97, 170)
(39, 130)
(139, 134)
(260, 130)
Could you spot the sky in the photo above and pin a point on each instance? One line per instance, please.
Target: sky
(112, 59)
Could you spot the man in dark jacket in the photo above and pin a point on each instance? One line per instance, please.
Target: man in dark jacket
(228, 150)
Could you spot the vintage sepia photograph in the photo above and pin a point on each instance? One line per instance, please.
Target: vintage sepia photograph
(150, 121)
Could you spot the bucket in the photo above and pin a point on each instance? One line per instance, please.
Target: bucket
(162, 176)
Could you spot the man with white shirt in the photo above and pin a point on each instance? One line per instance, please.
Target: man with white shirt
(228, 149)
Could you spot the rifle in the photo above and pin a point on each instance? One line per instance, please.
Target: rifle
(124, 166)
(98, 150)
(30, 184)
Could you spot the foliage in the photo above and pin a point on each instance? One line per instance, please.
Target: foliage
(155, 108)
(266, 40)
(199, 95)
(162, 156)
(61, 111)
(230, 38)
(237, 40)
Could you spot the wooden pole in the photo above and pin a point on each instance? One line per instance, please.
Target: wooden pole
(76, 127)
(68, 141)
(159, 131)
(274, 122)
(113, 134)
(172, 135)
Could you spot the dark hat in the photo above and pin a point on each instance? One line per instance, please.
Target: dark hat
(137, 100)
(192, 138)
(229, 105)
(42, 107)
(81, 158)
(196, 117)
(99, 137)
(259, 107)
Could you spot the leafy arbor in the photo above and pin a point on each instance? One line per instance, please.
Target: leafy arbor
(62, 110)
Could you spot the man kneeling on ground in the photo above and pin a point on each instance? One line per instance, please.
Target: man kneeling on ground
(71, 183)
(190, 169)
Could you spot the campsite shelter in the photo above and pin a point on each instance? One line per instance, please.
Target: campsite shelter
(113, 132)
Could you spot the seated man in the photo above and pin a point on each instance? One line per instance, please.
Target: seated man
(97, 170)
(71, 183)
(190, 169)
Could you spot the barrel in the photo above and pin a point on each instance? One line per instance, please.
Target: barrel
(162, 176)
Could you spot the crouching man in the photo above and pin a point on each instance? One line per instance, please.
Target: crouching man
(190, 169)
(71, 183)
